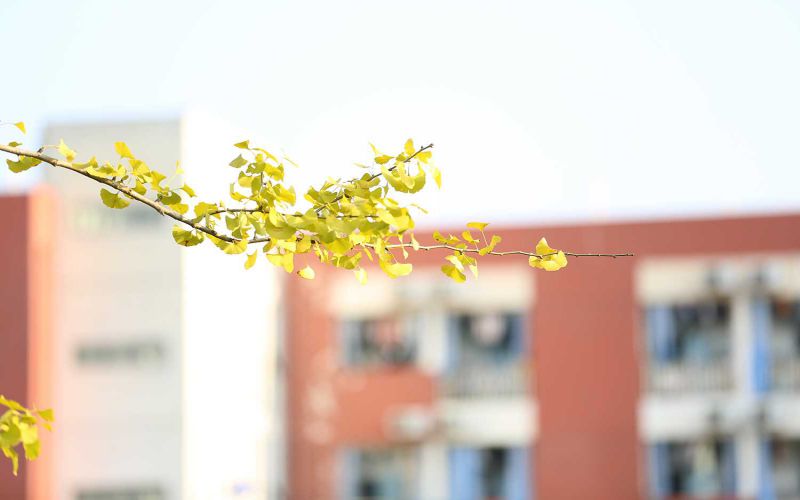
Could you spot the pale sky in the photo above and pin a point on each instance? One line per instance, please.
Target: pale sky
(540, 110)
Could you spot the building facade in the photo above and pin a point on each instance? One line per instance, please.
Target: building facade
(159, 392)
(671, 374)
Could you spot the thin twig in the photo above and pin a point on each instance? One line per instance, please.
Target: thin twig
(510, 252)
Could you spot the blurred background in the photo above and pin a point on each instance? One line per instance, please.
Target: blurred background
(664, 129)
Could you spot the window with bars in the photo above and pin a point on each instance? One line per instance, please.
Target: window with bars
(386, 341)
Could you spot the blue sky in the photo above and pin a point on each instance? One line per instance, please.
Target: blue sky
(540, 111)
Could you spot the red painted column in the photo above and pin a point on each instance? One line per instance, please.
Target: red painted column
(25, 326)
(14, 322)
(587, 373)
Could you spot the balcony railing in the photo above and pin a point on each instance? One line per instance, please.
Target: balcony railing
(785, 374)
(689, 377)
(476, 380)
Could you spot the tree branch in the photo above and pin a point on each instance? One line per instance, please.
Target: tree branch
(195, 222)
(158, 207)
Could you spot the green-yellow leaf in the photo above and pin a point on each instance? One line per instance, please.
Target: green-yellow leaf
(251, 260)
(480, 226)
(285, 260)
(10, 403)
(453, 259)
(113, 200)
(204, 208)
(306, 273)
(21, 126)
(490, 247)
(361, 275)
(424, 156)
(188, 190)
(28, 432)
(395, 270)
(123, 150)
(46, 414)
(65, 150)
(549, 259)
(24, 163)
(409, 147)
(451, 272)
(238, 162)
(12, 454)
(437, 176)
(32, 450)
(231, 248)
(185, 237)
(542, 248)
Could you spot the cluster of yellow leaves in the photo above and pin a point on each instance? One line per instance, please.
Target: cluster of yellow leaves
(549, 259)
(19, 428)
(342, 223)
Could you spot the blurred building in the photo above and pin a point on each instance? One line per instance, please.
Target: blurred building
(162, 358)
(672, 374)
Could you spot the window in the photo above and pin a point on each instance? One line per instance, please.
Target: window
(699, 333)
(776, 343)
(91, 219)
(380, 474)
(380, 342)
(485, 356)
(486, 339)
(489, 473)
(689, 346)
(700, 468)
(785, 319)
(141, 493)
(141, 352)
(785, 460)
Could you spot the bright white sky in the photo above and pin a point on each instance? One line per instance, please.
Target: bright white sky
(540, 110)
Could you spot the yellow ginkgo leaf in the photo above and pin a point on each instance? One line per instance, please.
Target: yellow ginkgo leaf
(65, 150)
(542, 248)
(549, 258)
(251, 260)
(437, 176)
(453, 273)
(113, 200)
(123, 150)
(409, 147)
(306, 273)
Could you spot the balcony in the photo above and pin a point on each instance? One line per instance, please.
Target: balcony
(486, 381)
(785, 374)
(683, 376)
